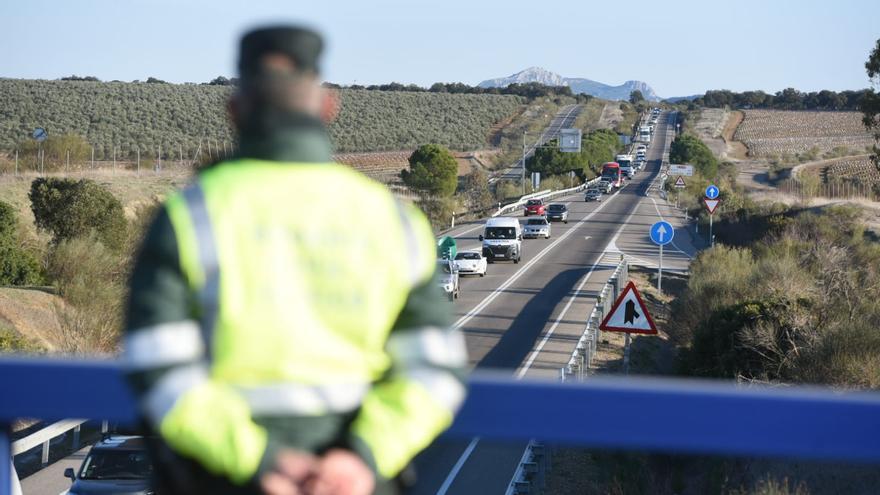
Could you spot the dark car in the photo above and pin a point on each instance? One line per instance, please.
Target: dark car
(557, 213)
(115, 465)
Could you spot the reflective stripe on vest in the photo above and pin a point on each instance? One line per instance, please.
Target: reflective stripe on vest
(166, 344)
(302, 400)
(209, 294)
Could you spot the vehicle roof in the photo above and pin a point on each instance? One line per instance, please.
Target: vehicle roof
(502, 222)
(470, 251)
(611, 164)
(557, 205)
(121, 442)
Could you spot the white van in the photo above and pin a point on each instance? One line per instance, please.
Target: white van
(502, 239)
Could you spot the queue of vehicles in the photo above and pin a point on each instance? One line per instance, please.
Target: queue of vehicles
(502, 237)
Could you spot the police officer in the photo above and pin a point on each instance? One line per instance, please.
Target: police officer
(283, 333)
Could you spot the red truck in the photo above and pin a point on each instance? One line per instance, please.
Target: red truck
(535, 207)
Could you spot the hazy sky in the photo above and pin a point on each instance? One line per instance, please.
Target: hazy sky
(678, 47)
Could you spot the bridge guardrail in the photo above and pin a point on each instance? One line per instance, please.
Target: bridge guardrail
(698, 417)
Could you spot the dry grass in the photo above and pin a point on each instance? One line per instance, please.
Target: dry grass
(32, 314)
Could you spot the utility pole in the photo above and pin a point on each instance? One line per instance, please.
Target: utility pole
(139, 160)
(524, 165)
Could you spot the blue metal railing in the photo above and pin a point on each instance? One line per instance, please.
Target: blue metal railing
(635, 413)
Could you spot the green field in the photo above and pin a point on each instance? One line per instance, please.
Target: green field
(179, 117)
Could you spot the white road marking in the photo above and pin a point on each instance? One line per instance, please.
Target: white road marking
(577, 292)
(488, 300)
(458, 465)
(491, 297)
(670, 242)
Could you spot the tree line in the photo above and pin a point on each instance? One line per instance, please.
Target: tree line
(787, 99)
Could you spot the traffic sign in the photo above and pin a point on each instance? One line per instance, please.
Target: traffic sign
(662, 233)
(687, 170)
(679, 183)
(629, 314)
(40, 134)
(711, 204)
(570, 140)
(712, 191)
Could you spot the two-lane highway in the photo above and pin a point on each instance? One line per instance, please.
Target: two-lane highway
(509, 315)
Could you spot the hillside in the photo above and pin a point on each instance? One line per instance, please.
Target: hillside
(577, 84)
(180, 117)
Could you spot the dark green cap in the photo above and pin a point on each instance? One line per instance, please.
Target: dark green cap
(303, 46)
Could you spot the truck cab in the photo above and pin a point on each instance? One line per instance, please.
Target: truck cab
(502, 240)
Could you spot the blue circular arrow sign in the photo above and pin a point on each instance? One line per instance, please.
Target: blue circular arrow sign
(662, 233)
(712, 191)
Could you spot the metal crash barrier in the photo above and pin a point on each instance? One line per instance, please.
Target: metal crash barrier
(666, 415)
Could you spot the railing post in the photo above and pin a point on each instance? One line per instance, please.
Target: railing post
(5, 461)
(76, 438)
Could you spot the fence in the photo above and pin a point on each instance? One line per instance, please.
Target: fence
(135, 158)
(670, 415)
(850, 189)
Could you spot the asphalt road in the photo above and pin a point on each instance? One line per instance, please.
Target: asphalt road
(563, 119)
(509, 316)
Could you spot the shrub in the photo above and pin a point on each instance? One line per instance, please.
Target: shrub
(12, 341)
(17, 266)
(69, 209)
(91, 279)
(432, 169)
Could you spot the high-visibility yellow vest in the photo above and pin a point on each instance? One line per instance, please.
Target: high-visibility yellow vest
(312, 264)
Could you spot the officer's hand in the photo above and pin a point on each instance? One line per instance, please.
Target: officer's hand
(341, 472)
(292, 471)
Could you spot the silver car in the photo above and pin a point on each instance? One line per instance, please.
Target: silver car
(593, 195)
(448, 278)
(537, 227)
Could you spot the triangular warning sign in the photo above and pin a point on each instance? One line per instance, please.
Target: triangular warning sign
(629, 314)
(711, 204)
(679, 182)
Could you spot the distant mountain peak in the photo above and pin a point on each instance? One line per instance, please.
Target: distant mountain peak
(577, 85)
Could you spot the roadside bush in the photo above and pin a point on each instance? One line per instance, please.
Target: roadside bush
(69, 209)
(688, 148)
(439, 211)
(17, 265)
(91, 279)
(475, 190)
(800, 305)
(432, 169)
(12, 341)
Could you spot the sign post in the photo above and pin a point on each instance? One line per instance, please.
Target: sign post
(661, 234)
(629, 314)
(711, 201)
(40, 135)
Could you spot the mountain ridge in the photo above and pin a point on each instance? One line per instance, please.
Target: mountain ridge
(577, 84)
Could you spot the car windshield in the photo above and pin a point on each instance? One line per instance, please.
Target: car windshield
(116, 465)
(534, 202)
(537, 221)
(467, 256)
(557, 207)
(500, 233)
